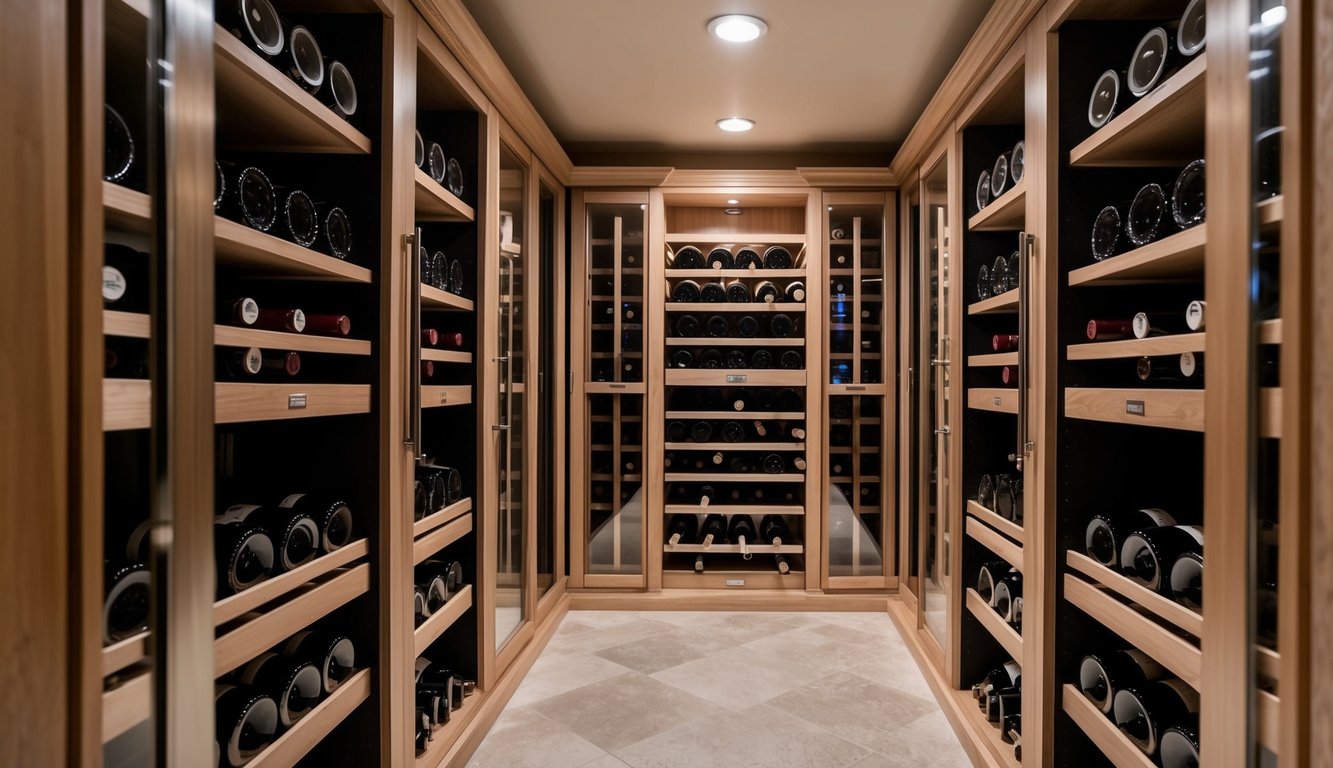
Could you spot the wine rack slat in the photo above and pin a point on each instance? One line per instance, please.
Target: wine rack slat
(1267, 726)
(847, 449)
(1163, 128)
(1270, 412)
(431, 629)
(232, 336)
(434, 298)
(987, 735)
(444, 396)
(1000, 545)
(1270, 331)
(615, 388)
(1267, 663)
(133, 325)
(998, 399)
(1271, 213)
(1006, 302)
(1169, 408)
(1177, 257)
(730, 377)
(989, 517)
(735, 549)
(726, 579)
(126, 706)
(732, 341)
(310, 730)
(992, 360)
(261, 109)
(734, 477)
(606, 477)
(1164, 608)
(242, 402)
(735, 446)
(1006, 212)
(731, 306)
(447, 356)
(1168, 648)
(735, 274)
(435, 203)
(440, 538)
(125, 208)
(748, 415)
(1150, 347)
(792, 510)
(238, 605)
(712, 239)
(1000, 629)
(240, 246)
(445, 515)
(243, 643)
(857, 389)
(1101, 731)
(126, 404)
(445, 739)
(118, 656)
(513, 249)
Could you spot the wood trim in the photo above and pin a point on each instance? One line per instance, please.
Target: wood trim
(578, 403)
(488, 479)
(720, 600)
(619, 176)
(430, 46)
(654, 431)
(1162, 644)
(826, 178)
(559, 377)
(1009, 65)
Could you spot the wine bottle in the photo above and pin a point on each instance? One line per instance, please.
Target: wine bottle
(294, 534)
(981, 195)
(991, 573)
(330, 513)
(707, 495)
(452, 482)
(251, 363)
(334, 325)
(777, 257)
(740, 465)
(1009, 675)
(1108, 94)
(127, 591)
(255, 23)
(687, 326)
(1156, 324)
(781, 326)
(1146, 370)
(332, 653)
(1147, 219)
(796, 432)
(1106, 533)
(999, 175)
(747, 326)
(440, 339)
(1155, 59)
(741, 531)
(773, 529)
(761, 359)
(735, 359)
(684, 529)
(1004, 342)
(738, 292)
(423, 719)
(1011, 727)
(791, 360)
(699, 562)
(717, 326)
(1187, 196)
(1186, 580)
(297, 218)
(1195, 315)
(1143, 714)
(686, 292)
(721, 258)
(294, 684)
(712, 293)
(1009, 376)
(420, 608)
(781, 562)
(677, 431)
(795, 292)
(245, 556)
(710, 359)
(1100, 676)
(747, 258)
(713, 531)
(1008, 497)
(433, 591)
(760, 429)
(682, 358)
(433, 488)
(255, 204)
(339, 92)
(732, 432)
(1008, 589)
(688, 257)
(118, 145)
(1179, 745)
(766, 292)
(701, 431)
(1110, 330)
(337, 241)
(1191, 366)
(247, 721)
(773, 464)
(1004, 701)
(1147, 555)
(124, 278)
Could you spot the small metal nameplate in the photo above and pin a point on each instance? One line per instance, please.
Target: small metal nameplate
(996, 400)
(856, 389)
(444, 396)
(1134, 407)
(735, 582)
(737, 378)
(296, 401)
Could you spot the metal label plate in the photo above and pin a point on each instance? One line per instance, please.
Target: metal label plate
(296, 400)
(1134, 408)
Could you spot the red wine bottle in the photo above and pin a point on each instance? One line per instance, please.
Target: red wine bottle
(294, 684)
(1144, 714)
(330, 513)
(1100, 676)
(328, 325)
(1004, 342)
(251, 363)
(683, 529)
(1109, 330)
(714, 530)
(332, 653)
(247, 721)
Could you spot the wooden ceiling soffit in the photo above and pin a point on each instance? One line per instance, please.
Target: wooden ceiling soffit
(619, 176)
(849, 177)
(465, 40)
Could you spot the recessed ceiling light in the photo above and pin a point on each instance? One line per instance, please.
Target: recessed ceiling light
(732, 211)
(733, 202)
(735, 124)
(736, 28)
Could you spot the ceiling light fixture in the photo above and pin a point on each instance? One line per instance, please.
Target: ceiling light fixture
(737, 28)
(732, 211)
(733, 202)
(735, 124)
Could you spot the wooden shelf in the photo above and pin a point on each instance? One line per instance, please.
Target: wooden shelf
(751, 307)
(606, 477)
(716, 446)
(124, 208)
(446, 736)
(444, 515)
(739, 415)
(1268, 663)
(992, 360)
(297, 741)
(434, 298)
(435, 203)
(235, 402)
(431, 629)
(990, 539)
(1007, 527)
(1167, 408)
(233, 336)
(126, 705)
(735, 274)
(851, 272)
(126, 404)
(744, 377)
(446, 356)
(1153, 346)
(713, 578)
(988, 735)
(1006, 212)
(237, 646)
(433, 396)
(855, 389)
(735, 549)
(1162, 644)
(734, 477)
(1162, 607)
(260, 109)
(790, 510)
(1177, 257)
(733, 341)
(441, 537)
(125, 653)
(1270, 213)
(1163, 128)
(713, 239)
(997, 399)
(133, 325)
(513, 249)
(240, 246)
(1268, 711)
(1103, 733)
(1270, 331)
(231, 608)
(875, 241)
(1004, 634)
(1006, 302)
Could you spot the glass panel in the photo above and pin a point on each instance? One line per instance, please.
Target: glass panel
(856, 519)
(912, 568)
(510, 606)
(935, 551)
(616, 252)
(856, 294)
(615, 484)
(548, 507)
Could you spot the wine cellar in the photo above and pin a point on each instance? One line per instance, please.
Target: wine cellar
(336, 470)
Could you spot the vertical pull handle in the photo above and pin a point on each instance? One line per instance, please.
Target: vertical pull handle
(1026, 257)
(412, 417)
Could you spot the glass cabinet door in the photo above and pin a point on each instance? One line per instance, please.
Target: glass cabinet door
(510, 605)
(933, 373)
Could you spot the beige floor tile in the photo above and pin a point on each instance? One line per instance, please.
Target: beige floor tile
(896, 670)
(605, 761)
(759, 737)
(608, 635)
(525, 739)
(810, 647)
(923, 741)
(738, 678)
(554, 674)
(620, 711)
(663, 651)
(853, 708)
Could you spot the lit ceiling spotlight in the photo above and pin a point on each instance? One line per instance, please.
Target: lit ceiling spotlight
(735, 124)
(732, 211)
(736, 28)
(733, 202)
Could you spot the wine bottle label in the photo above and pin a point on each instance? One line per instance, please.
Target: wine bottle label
(290, 501)
(421, 665)
(1193, 530)
(1159, 517)
(1188, 695)
(248, 311)
(252, 669)
(1141, 325)
(237, 513)
(114, 284)
(298, 320)
(1188, 364)
(252, 360)
(1194, 315)
(1013, 670)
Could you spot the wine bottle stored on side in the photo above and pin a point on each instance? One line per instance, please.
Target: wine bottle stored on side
(245, 556)
(747, 326)
(1144, 714)
(781, 326)
(778, 257)
(294, 534)
(124, 278)
(791, 360)
(1007, 590)
(773, 530)
(699, 563)
(294, 684)
(332, 653)
(1179, 745)
(1009, 675)
(766, 292)
(334, 325)
(773, 464)
(795, 292)
(713, 293)
(255, 23)
(721, 258)
(738, 292)
(683, 529)
(741, 531)
(127, 589)
(247, 721)
(686, 292)
(991, 574)
(251, 364)
(711, 359)
(1186, 580)
(713, 531)
(1109, 330)
(707, 495)
(1106, 533)
(1101, 675)
(1196, 315)
(688, 257)
(1006, 342)
(717, 327)
(330, 513)
(1148, 555)
(782, 565)
(298, 221)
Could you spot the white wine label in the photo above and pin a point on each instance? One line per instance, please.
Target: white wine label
(1194, 315)
(1186, 693)
(249, 311)
(798, 294)
(237, 513)
(1141, 326)
(253, 360)
(1193, 530)
(1188, 364)
(1014, 671)
(298, 320)
(1158, 516)
(290, 501)
(114, 284)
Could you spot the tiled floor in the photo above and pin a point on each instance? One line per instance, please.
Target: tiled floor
(618, 689)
